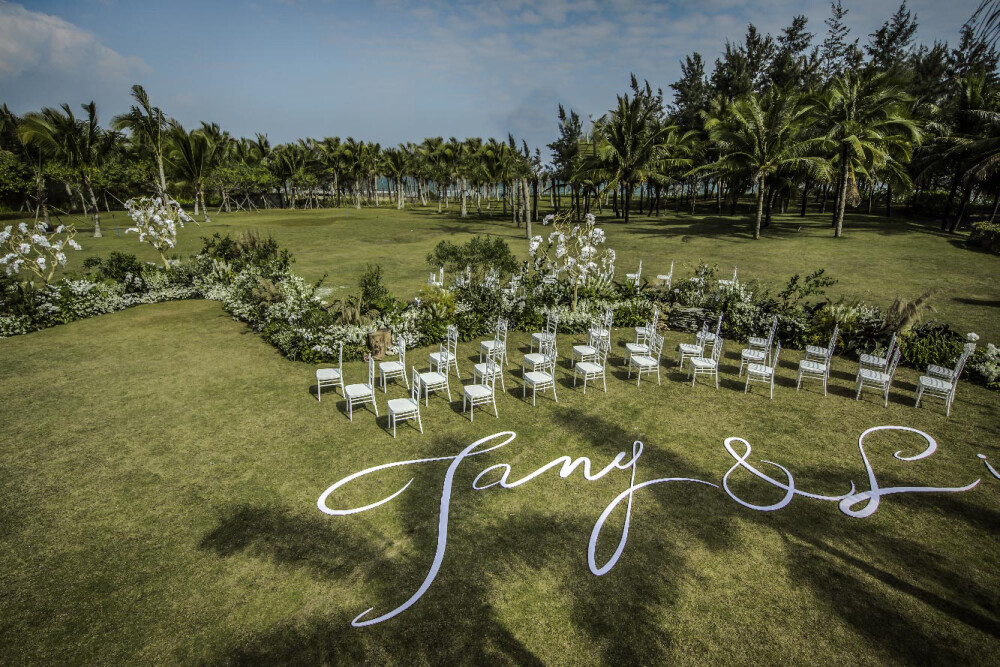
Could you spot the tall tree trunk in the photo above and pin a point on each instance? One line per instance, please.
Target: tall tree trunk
(962, 207)
(718, 198)
(163, 179)
(464, 205)
(888, 200)
(204, 206)
(93, 204)
(805, 198)
(628, 201)
(996, 205)
(951, 198)
(822, 206)
(838, 214)
(41, 199)
(760, 208)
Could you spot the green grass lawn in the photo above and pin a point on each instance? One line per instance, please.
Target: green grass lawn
(161, 467)
(877, 260)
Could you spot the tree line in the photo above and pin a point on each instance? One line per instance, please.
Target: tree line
(780, 121)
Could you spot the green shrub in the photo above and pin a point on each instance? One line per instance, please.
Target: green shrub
(480, 254)
(985, 235)
(930, 343)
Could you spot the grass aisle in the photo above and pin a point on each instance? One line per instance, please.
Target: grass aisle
(161, 466)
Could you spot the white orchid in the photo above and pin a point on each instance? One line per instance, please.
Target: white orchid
(574, 250)
(157, 223)
(34, 248)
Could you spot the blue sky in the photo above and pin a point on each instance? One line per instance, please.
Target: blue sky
(385, 70)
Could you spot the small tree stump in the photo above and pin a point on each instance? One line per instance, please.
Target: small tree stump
(379, 343)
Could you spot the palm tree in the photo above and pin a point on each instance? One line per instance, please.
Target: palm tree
(192, 155)
(148, 126)
(80, 144)
(629, 141)
(867, 121)
(761, 135)
(395, 162)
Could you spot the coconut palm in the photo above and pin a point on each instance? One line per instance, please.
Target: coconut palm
(867, 122)
(762, 135)
(80, 144)
(148, 127)
(628, 142)
(192, 155)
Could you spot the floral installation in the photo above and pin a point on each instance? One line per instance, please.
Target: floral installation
(156, 222)
(574, 251)
(36, 250)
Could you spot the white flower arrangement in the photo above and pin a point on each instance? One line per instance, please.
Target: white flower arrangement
(156, 222)
(575, 251)
(35, 249)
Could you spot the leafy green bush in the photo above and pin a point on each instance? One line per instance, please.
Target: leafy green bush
(985, 235)
(248, 250)
(119, 267)
(930, 343)
(862, 326)
(374, 294)
(480, 254)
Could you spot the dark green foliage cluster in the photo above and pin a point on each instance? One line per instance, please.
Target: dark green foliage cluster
(931, 343)
(481, 254)
(249, 249)
(985, 235)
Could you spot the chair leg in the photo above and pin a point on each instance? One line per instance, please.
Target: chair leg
(374, 404)
(319, 392)
(497, 414)
(420, 423)
(716, 378)
(392, 418)
(747, 388)
(858, 397)
(350, 410)
(554, 394)
(772, 387)
(920, 392)
(604, 379)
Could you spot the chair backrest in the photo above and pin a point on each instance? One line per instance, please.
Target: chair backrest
(638, 271)
(441, 275)
(960, 364)
(340, 358)
(402, 355)
(833, 343)
(777, 353)
(718, 325)
(670, 275)
(551, 323)
(371, 372)
(774, 331)
(430, 280)
(734, 273)
(609, 318)
(550, 359)
(655, 319)
(656, 346)
(892, 346)
(451, 339)
(602, 352)
(489, 379)
(717, 349)
(415, 385)
(893, 363)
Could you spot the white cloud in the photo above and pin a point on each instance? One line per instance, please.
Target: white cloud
(31, 41)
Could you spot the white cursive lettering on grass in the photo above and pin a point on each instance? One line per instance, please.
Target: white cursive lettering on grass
(498, 475)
